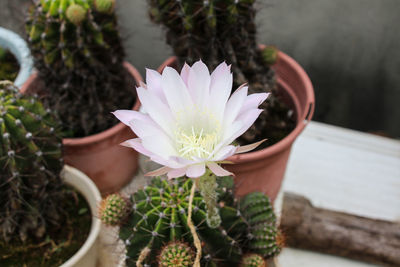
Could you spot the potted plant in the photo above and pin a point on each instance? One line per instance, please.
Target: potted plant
(81, 75)
(47, 212)
(153, 226)
(15, 58)
(225, 30)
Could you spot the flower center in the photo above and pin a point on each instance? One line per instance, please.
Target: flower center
(198, 133)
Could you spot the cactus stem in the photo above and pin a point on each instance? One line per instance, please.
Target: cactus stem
(196, 239)
(208, 186)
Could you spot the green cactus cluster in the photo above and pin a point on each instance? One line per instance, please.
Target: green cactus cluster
(176, 254)
(113, 209)
(159, 213)
(30, 153)
(216, 31)
(253, 260)
(263, 236)
(78, 51)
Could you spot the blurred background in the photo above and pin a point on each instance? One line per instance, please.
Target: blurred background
(349, 48)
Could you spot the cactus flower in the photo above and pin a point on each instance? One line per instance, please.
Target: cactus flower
(191, 119)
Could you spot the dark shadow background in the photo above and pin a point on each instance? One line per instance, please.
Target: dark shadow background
(349, 48)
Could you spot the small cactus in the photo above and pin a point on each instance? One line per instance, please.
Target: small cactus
(79, 55)
(113, 209)
(270, 55)
(176, 254)
(30, 160)
(253, 260)
(264, 238)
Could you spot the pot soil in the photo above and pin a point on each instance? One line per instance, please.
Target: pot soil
(263, 170)
(9, 66)
(100, 155)
(64, 244)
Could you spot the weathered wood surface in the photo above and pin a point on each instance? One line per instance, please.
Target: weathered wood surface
(338, 233)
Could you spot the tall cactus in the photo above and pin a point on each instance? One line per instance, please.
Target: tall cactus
(30, 153)
(225, 30)
(79, 55)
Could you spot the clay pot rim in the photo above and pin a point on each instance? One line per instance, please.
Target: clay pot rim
(302, 122)
(106, 134)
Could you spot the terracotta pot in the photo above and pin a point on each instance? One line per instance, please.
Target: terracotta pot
(263, 170)
(100, 156)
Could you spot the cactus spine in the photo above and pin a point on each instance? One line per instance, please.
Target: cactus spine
(30, 152)
(176, 254)
(79, 55)
(216, 31)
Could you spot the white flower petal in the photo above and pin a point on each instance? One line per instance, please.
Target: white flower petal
(199, 84)
(176, 173)
(234, 105)
(153, 80)
(218, 170)
(224, 153)
(197, 170)
(125, 116)
(253, 101)
(159, 145)
(175, 90)
(157, 110)
(185, 73)
(220, 89)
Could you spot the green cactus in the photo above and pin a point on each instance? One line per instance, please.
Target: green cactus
(176, 254)
(252, 260)
(263, 238)
(216, 31)
(79, 55)
(113, 209)
(30, 153)
(159, 215)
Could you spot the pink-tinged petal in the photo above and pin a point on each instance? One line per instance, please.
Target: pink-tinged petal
(158, 172)
(142, 84)
(158, 111)
(247, 148)
(224, 153)
(218, 170)
(199, 84)
(197, 170)
(125, 116)
(176, 173)
(234, 105)
(185, 73)
(146, 127)
(220, 89)
(230, 133)
(253, 101)
(247, 120)
(136, 144)
(159, 145)
(175, 90)
(153, 80)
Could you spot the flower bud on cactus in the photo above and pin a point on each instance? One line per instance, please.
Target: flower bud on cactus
(113, 209)
(30, 160)
(104, 6)
(76, 14)
(253, 260)
(176, 254)
(270, 55)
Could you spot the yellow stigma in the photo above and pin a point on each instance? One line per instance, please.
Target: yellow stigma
(196, 135)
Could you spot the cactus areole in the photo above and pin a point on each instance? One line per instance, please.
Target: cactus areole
(79, 55)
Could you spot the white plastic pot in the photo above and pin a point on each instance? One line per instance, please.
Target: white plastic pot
(18, 47)
(86, 256)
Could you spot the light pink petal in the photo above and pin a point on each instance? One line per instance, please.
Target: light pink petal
(158, 172)
(230, 133)
(218, 170)
(136, 144)
(253, 101)
(224, 153)
(147, 127)
(234, 105)
(158, 111)
(142, 84)
(199, 84)
(159, 145)
(153, 80)
(125, 116)
(185, 73)
(220, 89)
(175, 90)
(246, 120)
(247, 148)
(197, 170)
(176, 173)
